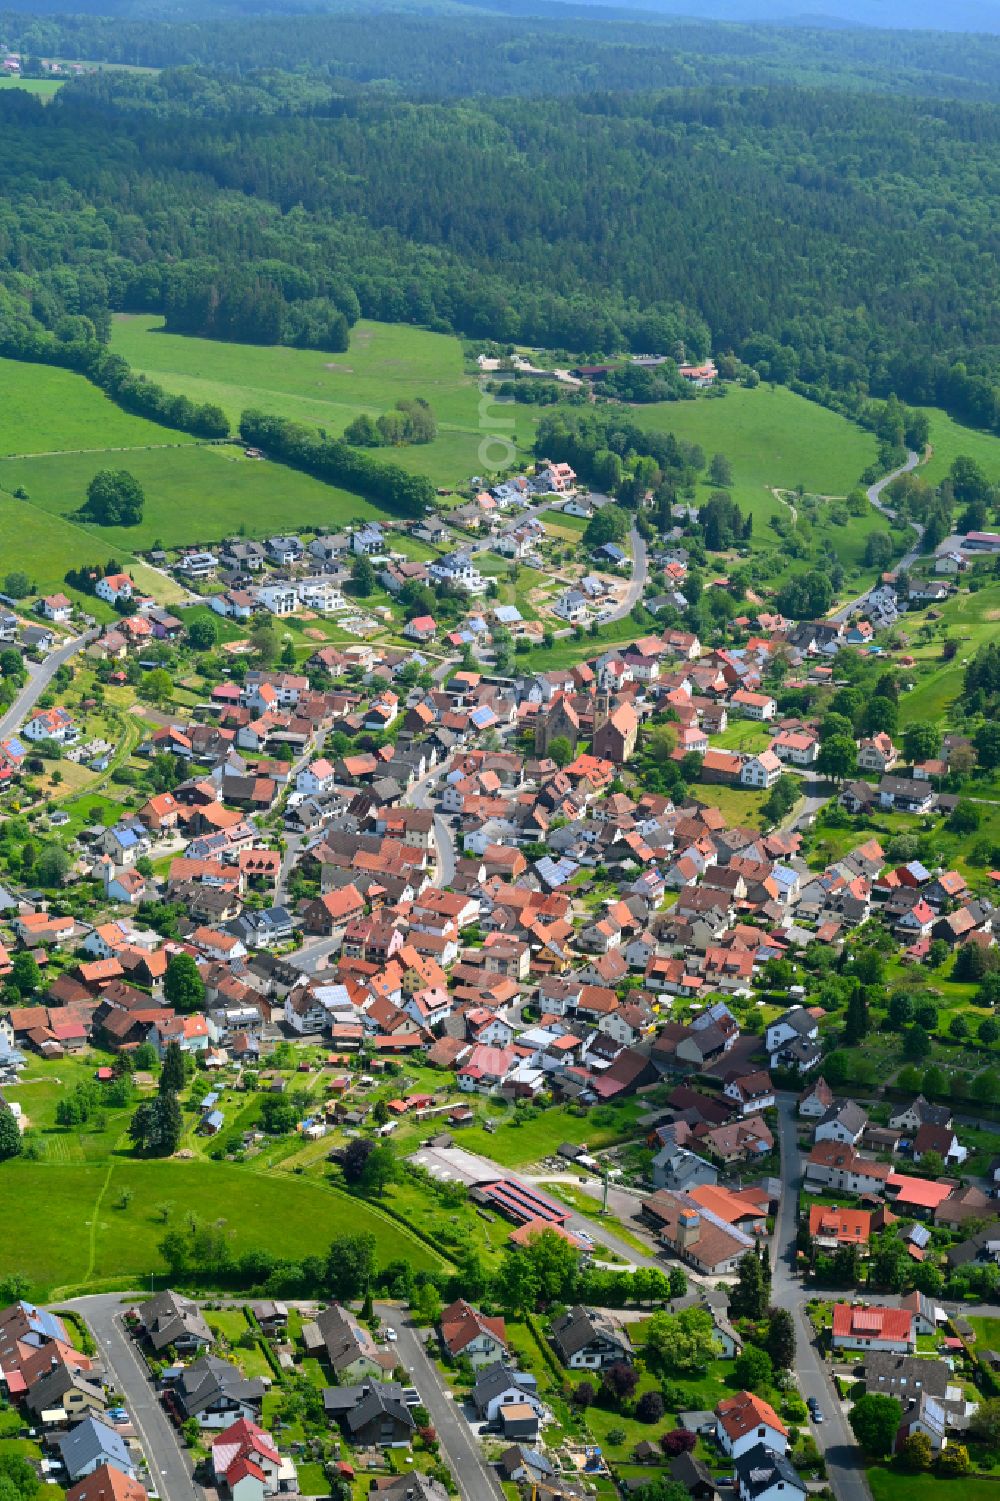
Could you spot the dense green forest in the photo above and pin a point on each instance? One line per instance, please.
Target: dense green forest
(547, 50)
(844, 241)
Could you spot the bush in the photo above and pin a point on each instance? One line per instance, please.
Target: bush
(649, 1408)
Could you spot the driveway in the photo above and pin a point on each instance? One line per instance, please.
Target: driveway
(476, 1480)
(169, 1464)
(844, 1463)
(40, 675)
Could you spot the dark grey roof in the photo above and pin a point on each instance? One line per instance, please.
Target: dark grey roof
(848, 1112)
(496, 1378)
(905, 1376)
(92, 1443)
(358, 1405)
(169, 1316)
(209, 1379)
(760, 1468)
(577, 1327)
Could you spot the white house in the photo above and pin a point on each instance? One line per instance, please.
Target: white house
(280, 599)
(235, 604)
(796, 1024)
(457, 568)
(762, 770)
(572, 606)
(759, 706)
(796, 747)
(320, 594)
(52, 724)
(315, 779)
(862, 1326)
(113, 587)
(843, 1123)
(369, 540)
(762, 1475)
(746, 1420)
(56, 607)
(198, 565)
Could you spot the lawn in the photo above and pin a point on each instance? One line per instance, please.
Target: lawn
(971, 619)
(44, 88)
(385, 362)
(194, 495)
(894, 1485)
(987, 1331)
(516, 1141)
(69, 1233)
(739, 805)
(771, 437)
(47, 410)
(949, 439)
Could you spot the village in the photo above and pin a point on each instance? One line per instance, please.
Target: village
(624, 963)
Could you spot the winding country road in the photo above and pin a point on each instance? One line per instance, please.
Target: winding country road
(875, 497)
(40, 675)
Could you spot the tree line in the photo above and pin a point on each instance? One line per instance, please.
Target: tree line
(823, 267)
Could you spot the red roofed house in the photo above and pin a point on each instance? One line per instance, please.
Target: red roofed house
(466, 1331)
(421, 628)
(831, 1226)
(245, 1451)
(743, 1421)
(106, 1484)
(860, 1327)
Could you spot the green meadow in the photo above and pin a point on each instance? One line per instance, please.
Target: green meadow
(385, 362)
(950, 439)
(44, 88)
(771, 437)
(47, 410)
(71, 1231)
(194, 494)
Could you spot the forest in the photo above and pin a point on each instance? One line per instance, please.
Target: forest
(843, 243)
(526, 47)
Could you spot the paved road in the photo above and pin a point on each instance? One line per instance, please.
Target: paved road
(169, 1464)
(875, 496)
(420, 795)
(40, 675)
(640, 572)
(844, 1463)
(816, 793)
(476, 1480)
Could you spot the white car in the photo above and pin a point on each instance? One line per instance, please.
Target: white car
(391, 1336)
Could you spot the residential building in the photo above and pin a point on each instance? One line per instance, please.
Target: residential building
(745, 1421)
(867, 1327)
(585, 1339)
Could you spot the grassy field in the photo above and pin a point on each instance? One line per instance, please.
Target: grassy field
(776, 440)
(949, 439)
(740, 805)
(971, 619)
(194, 494)
(516, 1142)
(68, 1231)
(385, 361)
(987, 1331)
(47, 410)
(771, 437)
(44, 88)
(894, 1485)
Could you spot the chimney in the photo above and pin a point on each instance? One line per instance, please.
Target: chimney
(688, 1228)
